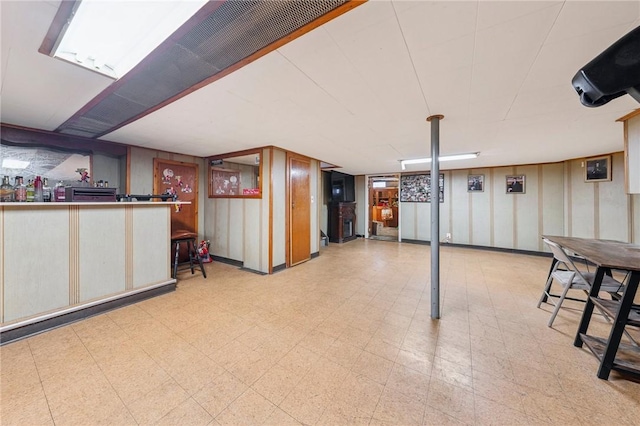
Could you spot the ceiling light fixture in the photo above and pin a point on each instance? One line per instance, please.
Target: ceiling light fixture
(11, 163)
(454, 157)
(119, 33)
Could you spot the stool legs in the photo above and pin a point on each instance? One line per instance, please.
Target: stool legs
(175, 261)
(190, 249)
(193, 256)
(194, 250)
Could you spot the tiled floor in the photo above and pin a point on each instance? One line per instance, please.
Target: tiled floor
(343, 339)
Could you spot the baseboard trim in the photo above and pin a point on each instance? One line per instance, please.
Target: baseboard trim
(280, 267)
(314, 255)
(228, 261)
(253, 271)
(487, 248)
(26, 329)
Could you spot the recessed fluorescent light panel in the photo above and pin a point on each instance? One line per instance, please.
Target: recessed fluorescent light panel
(11, 163)
(111, 37)
(468, 156)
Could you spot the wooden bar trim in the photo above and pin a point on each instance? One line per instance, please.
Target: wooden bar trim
(630, 115)
(270, 150)
(287, 215)
(258, 149)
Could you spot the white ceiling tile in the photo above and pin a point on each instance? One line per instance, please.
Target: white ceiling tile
(451, 54)
(447, 90)
(501, 79)
(352, 92)
(433, 23)
(579, 18)
(362, 18)
(521, 37)
(559, 61)
(491, 13)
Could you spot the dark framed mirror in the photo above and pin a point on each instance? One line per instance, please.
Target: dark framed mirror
(236, 175)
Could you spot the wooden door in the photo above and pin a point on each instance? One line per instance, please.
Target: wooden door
(182, 179)
(299, 209)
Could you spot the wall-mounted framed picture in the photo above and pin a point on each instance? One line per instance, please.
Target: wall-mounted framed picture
(475, 183)
(598, 169)
(515, 184)
(417, 188)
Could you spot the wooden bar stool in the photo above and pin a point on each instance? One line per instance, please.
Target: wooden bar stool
(189, 238)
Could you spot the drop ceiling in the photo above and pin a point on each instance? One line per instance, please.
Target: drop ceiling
(356, 91)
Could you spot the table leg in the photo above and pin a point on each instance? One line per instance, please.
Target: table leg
(619, 323)
(588, 309)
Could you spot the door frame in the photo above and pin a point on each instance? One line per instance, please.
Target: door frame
(369, 198)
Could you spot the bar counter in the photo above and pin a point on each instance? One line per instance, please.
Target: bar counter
(60, 262)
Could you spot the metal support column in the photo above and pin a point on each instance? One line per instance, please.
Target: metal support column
(435, 214)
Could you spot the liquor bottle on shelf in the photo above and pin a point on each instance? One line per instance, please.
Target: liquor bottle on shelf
(6, 191)
(37, 190)
(46, 190)
(59, 193)
(30, 191)
(20, 190)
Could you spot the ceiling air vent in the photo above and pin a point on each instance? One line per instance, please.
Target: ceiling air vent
(231, 33)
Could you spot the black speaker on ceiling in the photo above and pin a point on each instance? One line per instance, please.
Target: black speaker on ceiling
(613, 73)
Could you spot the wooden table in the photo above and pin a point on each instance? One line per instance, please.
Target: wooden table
(608, 255)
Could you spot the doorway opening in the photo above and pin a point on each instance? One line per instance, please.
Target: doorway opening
(384, 214)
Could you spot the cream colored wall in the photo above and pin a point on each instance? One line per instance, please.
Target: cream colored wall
(239, 230)
(315, 187)
(361, 204)
(141, 178)
(279, 197)
(632, 146)
(108, 168)
(634, 215)
(557, 201)
(324, 208)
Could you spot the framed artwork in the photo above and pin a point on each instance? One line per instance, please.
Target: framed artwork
(475, 183)
(598, 169)
(515, 184)
(225, 181)
(417, 188)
